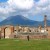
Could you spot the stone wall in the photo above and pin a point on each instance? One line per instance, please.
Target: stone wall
(10, 33)
(32, 36)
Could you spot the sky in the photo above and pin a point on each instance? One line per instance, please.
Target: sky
(32, 9)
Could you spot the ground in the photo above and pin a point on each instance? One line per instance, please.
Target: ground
(18, 44)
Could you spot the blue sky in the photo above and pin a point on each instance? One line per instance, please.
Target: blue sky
(6, 0)
(3, 0)
(32, 9)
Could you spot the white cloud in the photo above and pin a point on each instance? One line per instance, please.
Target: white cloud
(12, 7)
(21, 4)
(43, 3)
(24, 7)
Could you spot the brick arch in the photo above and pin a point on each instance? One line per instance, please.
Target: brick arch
(7, 32)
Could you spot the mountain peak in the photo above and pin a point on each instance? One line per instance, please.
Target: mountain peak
(21, 20)
(17, 20)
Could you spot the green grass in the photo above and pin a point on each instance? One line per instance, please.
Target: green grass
(17, 44)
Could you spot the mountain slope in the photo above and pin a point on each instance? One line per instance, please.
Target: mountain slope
(18, 20)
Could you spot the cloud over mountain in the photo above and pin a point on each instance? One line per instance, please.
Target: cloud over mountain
(27, 8)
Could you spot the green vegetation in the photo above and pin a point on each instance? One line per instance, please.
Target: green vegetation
(17, 44)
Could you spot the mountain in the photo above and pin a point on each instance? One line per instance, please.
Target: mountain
(18, 20)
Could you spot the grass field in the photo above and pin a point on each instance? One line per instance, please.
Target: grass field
(17, 44)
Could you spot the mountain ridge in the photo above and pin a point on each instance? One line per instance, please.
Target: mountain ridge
(21, 20)
(17, 20)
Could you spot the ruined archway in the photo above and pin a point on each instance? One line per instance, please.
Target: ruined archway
(7, 32)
